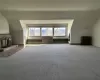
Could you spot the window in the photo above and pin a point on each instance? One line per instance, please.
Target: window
(47, 31)
(60, 31)
(34, 31)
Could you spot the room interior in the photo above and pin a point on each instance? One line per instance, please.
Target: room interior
(49, 39)
(26, 34)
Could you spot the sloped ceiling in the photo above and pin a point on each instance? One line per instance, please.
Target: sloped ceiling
(46, 21)
(49, 5)
(67, 22)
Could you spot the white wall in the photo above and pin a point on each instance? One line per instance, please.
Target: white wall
(82, 26)
(4, 26)
(69, 27)
(83, 20)
(96, 34)
(25, 32)
(16, 31)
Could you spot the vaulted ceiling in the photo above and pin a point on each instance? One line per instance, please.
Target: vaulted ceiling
(49, 5)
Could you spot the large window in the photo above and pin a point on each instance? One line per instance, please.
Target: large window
(47, 31)
(61, 31)
(34, 31)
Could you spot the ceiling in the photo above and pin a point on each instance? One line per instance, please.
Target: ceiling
(49, 5)
(47, 21)
(25, 23)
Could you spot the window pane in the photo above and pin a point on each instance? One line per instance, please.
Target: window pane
(47, 31)
(34, 31)
(37, 32)
(60, 31)
(31, 31)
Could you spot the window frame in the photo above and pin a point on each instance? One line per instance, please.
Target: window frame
(60, 36)
(34, 27)
(47, 27)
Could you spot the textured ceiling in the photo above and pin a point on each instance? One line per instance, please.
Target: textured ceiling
(49, 5)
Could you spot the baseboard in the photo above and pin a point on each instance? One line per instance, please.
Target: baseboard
(20, 44)
(74, 43)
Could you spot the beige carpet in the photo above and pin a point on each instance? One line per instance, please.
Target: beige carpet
(10, 52)
(52, 62)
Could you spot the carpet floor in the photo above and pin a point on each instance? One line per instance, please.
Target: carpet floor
(10, 52)
(52, 62)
